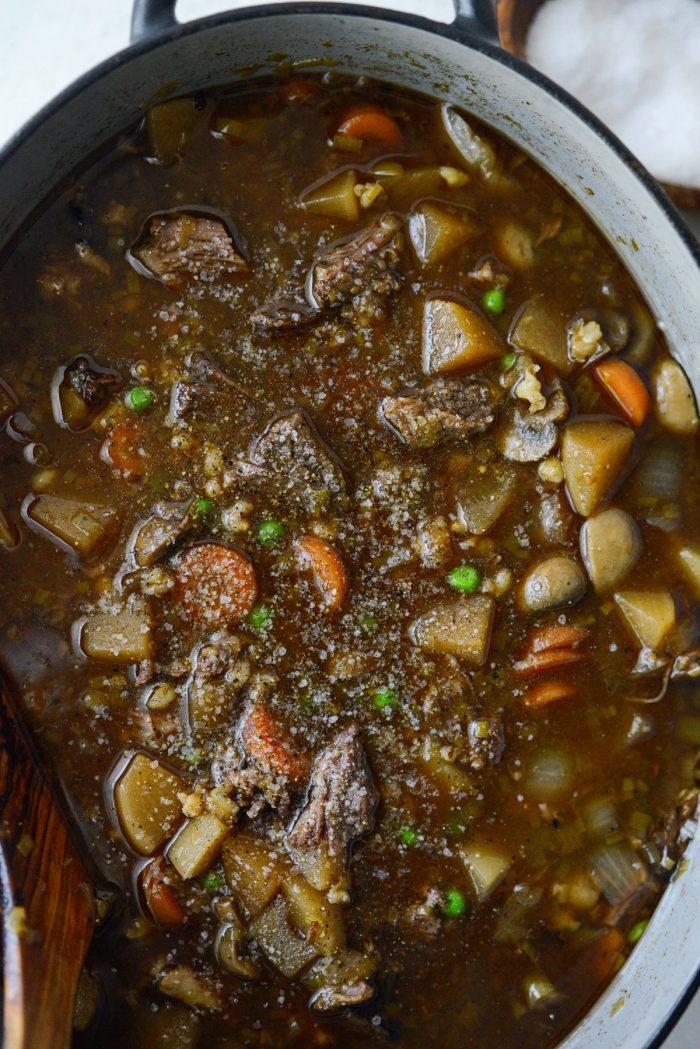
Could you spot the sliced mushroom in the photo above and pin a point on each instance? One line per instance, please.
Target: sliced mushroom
(230, 944)
(531, 436)
(554, 583)
(611, 545)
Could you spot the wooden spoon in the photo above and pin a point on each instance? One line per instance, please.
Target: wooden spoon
(48, 909)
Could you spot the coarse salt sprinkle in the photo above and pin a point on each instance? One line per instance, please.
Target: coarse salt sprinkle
(636, 64)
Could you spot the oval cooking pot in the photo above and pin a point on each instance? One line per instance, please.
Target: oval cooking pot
(455, 63)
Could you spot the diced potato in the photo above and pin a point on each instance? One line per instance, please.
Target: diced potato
(649, 614)
(436, 232)
(253, 870)
(673, 398)
(146, 802)
(593, 456)
(281, 945)
(611, 545)
(334, 197)
(540, 333)
(452, 779)
(481, 498)
(169, 127)
(185, 985)
(197, 845)
(318, 866)
(77, 525)
(689, 557)
(457, 628)
(405, 188)
(486, 865)
(320, 923)
(456, 336)
(120, 637)
(515, 245)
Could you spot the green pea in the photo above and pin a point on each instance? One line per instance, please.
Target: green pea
(260, 617)
(637, 931)
(455, 904)
(494, 300)
(385, 697)
(507, 361)
(204, 507)
(140, 398)
(270, 531)
(408, 836)
(211, 882)
(464, 578)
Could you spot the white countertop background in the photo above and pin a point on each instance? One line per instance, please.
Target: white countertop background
(45, 44)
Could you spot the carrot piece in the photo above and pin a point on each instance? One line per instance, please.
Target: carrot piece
(328, 569)
(605, 953)
(300, 91)
(546, 692)
(624, 387)
(536, 662)
(160, 898)
(270, 745)
(370, 123)
(215, 584)
(558, 635)
(124, 449)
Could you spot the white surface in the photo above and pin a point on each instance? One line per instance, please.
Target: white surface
(44, 44)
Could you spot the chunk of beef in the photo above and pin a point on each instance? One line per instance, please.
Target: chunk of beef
(154, 536)
(342, 796)
(363, 263)
(285, 314)
(448, 409)
(530, 436)
(673, 832)
(205, 387)
(291, 456)
(486, 741)
(92, 383)
(177, 247)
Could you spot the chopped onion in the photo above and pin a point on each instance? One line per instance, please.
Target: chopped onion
(515, 917)
(537, 988)
(550, 775)
(599, 815)
(617, 871)
(658, 483)
(642, 727)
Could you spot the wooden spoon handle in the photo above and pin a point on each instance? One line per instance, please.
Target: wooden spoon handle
(48, 911)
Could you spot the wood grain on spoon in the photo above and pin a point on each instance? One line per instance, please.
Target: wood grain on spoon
(48, 910)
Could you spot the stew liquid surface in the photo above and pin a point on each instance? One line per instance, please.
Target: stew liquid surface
(350, 575)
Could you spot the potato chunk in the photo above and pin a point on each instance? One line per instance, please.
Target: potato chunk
(78, 525)
(169, 127)
(611, 545)
(481, 498)
(457, 628)
(320, 923)
(540, 333)
(334, 197)
(649, 614)
(689, 557)
(436, 232)
(593, 456)
(254, 870)
(673, 398)
(456, 336)
(146, 802)
(282, 946)
(120, 637)
(486, 865)
(197, 845)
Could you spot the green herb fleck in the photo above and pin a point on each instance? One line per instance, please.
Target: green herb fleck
(211, 882)
(193, 757)
(455, 904)
(385, 697)
(408, 836)
(368, 624)
(260, 617)
(203, 507)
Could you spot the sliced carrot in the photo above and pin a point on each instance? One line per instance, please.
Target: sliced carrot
(559, 635)
(372, 124)
(215, 584)
(537, 662)
(624, 387)
(270, 745)
(125, 449)
(300, 91)
(328, 569)
(160, 898)
(605, 953)
(546, 692)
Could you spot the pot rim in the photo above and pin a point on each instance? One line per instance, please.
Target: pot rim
(464, 31)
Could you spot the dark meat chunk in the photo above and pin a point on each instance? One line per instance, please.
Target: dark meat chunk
(531, 436)
(158, 533)
(445, 410)
(341, 980)
(206, 387)
(92, 383)
(674, 831)
(342, 796)
(486, 741)
(364, 263)
(292, 457)
(178, 246)
(490, 271)
(284, 315)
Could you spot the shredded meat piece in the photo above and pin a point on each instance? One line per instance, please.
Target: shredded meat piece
(178, 246)
(342, 796)
(490, 271)
(93, 384)
(285, 314)
(365, 262)
(205, 386)
(292, 456)
(445, 410)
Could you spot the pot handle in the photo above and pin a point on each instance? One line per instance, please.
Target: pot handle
(149, 18)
